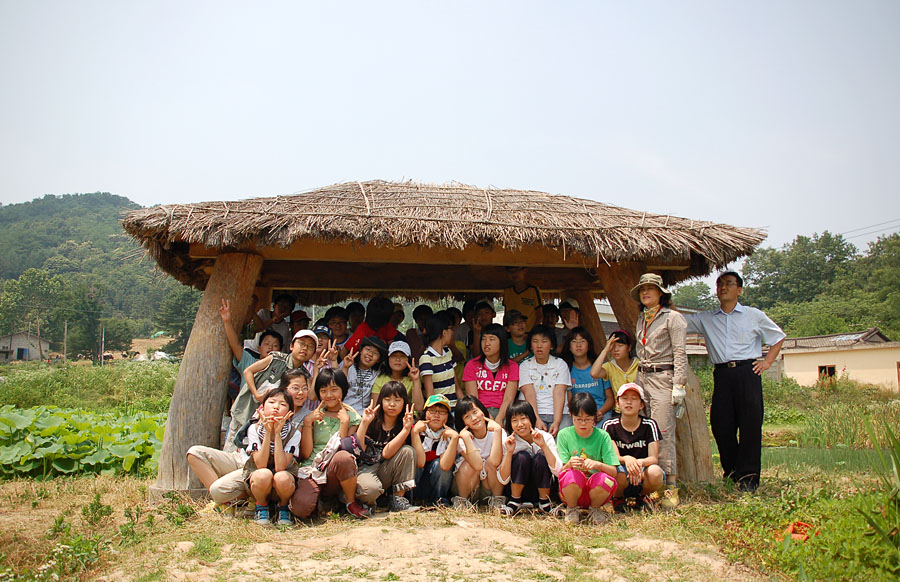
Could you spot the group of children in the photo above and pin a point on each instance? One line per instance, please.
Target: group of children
(443, 415)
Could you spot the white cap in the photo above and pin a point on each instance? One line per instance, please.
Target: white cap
(399, 346)
(631, 386)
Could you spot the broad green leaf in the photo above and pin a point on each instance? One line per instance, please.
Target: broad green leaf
(145, 425)
(44, 422)
(17, 421)
(99, 456)
(128, 462)
(53, 449)
(65, 465)
(12, 453)
(121, 451)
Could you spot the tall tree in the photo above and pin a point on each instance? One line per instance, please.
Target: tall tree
(30, 302)
(176, 314)
(799, 272)
(697, 295)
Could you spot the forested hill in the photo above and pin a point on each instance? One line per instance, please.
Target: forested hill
(34, 231)
(66, 260)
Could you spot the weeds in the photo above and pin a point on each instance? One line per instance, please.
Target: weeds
(123, 388)
(95, 511)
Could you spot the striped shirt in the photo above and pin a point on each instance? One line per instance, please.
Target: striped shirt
(440, 368)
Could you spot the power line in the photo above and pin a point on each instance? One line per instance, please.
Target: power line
(868, 227)
(876, 231)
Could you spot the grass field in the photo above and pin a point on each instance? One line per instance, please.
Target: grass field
(823, 473)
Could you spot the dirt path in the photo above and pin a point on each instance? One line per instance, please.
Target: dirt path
(443, 545)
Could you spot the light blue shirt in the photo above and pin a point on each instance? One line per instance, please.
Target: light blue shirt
(734, 336)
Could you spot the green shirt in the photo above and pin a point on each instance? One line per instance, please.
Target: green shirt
(598, 446)
(323, 430)
(516, 349)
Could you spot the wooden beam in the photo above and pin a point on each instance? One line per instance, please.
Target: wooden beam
(195, 411)
(416, 278)
(311, 249)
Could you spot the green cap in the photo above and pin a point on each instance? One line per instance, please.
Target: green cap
(438, 399)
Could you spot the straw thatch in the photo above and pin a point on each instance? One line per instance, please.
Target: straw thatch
(456, 216)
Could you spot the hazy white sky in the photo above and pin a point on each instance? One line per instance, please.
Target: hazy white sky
(782, 114)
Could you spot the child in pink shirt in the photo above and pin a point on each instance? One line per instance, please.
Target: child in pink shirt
(492, 377)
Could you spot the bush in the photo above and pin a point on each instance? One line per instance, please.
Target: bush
(123, 387)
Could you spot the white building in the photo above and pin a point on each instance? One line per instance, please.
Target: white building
(23, 346)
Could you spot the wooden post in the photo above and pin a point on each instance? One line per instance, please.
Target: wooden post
(692, 440)
(617, 282)
(588, 317)
(198, 401)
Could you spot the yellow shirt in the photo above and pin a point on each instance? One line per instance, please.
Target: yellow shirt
(526, 302)
(383, 379)
(617, 376)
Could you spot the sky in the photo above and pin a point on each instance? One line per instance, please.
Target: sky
(781, 115)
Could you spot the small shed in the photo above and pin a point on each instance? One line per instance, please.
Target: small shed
(359, 239)
(866, 356)
(23, 346)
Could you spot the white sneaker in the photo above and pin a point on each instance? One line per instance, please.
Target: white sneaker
(573, 515)
(495, 502)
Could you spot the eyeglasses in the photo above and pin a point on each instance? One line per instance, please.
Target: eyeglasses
(720, 284)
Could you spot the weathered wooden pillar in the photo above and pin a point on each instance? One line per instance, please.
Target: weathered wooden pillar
(692, 441)
(617, 281)
(588, 316)
(198, 401)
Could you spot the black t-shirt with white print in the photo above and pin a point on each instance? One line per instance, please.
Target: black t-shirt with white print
(637, 443)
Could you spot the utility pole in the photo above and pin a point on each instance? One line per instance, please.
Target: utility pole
(65, 340)
(102, 344)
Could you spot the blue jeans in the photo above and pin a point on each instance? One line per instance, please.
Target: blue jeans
(432, 483)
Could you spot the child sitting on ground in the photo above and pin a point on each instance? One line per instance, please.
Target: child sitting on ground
(588, 478)
(636, 439)
(273, 450)
(480, 451)
(529, 461)
(436, 445)
(388, 462)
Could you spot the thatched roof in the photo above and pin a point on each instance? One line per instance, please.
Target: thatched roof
(426, 216)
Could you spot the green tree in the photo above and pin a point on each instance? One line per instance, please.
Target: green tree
(697, 295)
(30, 303)
(799, 272)
(176, 315)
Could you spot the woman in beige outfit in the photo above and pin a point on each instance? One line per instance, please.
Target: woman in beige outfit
(660, 335)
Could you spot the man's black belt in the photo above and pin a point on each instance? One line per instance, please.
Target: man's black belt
(735, 364)
(657, 368)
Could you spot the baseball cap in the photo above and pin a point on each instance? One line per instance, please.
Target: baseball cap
(437, 399)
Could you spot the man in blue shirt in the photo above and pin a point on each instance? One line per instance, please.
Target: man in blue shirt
(734, 337)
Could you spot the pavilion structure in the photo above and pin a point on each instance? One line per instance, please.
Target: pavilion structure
(360, 239)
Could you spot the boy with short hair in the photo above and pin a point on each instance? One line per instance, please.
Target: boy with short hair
(435, 445)
(514, 323)
(637, 446)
